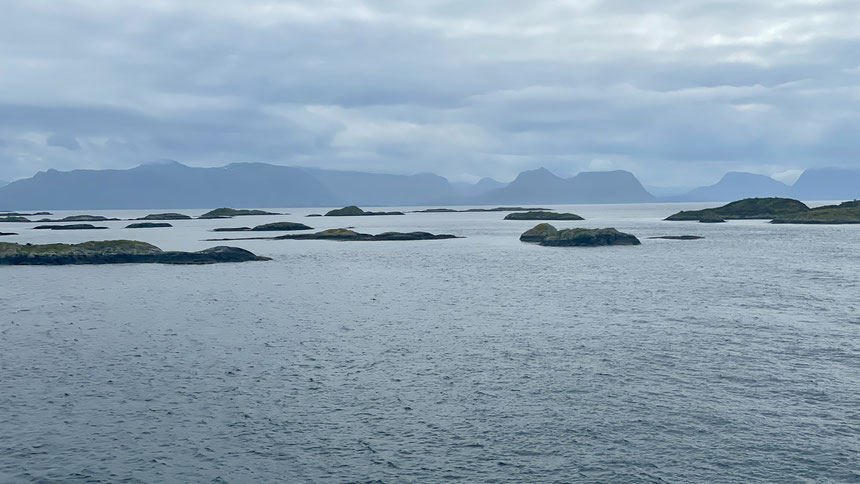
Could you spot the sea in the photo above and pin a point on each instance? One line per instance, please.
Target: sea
(733, 358)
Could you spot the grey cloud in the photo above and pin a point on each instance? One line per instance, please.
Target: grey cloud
(465, 89)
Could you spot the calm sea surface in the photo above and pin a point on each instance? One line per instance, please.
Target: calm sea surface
(735, 358)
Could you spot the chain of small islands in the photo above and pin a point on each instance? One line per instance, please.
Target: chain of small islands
(777, 210)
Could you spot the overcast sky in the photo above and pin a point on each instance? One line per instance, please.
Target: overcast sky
(676, 91)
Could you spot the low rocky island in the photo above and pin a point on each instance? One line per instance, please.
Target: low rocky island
(777, 210)
(148, 225)
(746, 209)
(350, 235)
(469, 210)
(232, 212)
(353, 211)
(272, 227)
(19, 214)
(116, 252)
(7, 233)
(81, 218)
(69, 227)
(14, 219)
(166, 216)
(844, 213)
(542, 215)
(547, 235)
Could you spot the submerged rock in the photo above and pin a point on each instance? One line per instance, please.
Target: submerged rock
(232, 229)
(232, 212)
(542, 215)
(678, 237)
(166, 216)
(746, 209)
(115, 252)
(353, 211)
(547, 235)
(69, 227)
(148, 225)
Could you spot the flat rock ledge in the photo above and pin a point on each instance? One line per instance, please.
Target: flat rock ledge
(272, 227)
(148, 225)
(350, 235)
(116, 252)
(678, 237)
(547, 235)
(542, 215)
(69, 227)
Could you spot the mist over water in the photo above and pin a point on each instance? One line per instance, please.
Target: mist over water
(735, 358)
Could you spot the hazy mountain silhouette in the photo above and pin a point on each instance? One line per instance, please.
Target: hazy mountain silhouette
(3, 183)
(167, 185)
(484, 185)
(827, 184)
(542, 186)
(358, 188)
(735, 186)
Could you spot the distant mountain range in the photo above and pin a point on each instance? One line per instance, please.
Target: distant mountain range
(169, 184)
(542, 186)
(735, 186)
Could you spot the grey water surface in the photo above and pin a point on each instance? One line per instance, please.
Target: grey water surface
(735, 358)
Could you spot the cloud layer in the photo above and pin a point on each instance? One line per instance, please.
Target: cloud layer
(677, 91)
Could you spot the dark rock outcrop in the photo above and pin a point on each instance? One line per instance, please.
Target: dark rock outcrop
(538, 233)
(148, 225)
(232, 212)
(166, 216)
(549, 236)
(542, 215)
(7, 233)
(69, 227)
(115, 252)
(280, 227)
(711, 218)
(353, 211)
(746, 209)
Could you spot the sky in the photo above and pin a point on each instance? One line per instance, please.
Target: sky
(676, 91)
